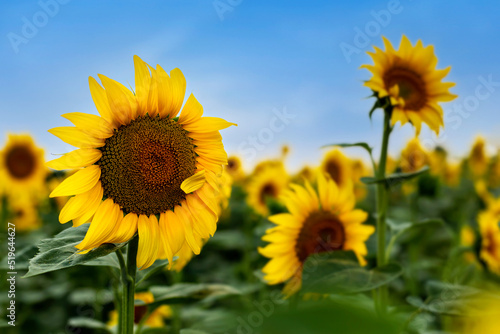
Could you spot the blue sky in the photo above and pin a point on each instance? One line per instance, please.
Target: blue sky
(246, 60)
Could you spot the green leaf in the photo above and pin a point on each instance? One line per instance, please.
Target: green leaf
(340, 272)
(157, 266)
(322, 317)
(95, 325)
(363, 145)
(188, 293)
(396, 178)
(59, 252)
(192, 331)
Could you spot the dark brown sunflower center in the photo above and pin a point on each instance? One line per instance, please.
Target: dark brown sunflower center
(268, 190)
(335, 171)
(321, 232)
(491, 245)
(144, 164)
(411, 87)
(20, 162)
(232, 164)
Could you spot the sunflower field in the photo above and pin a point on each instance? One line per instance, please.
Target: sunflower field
(148, 224)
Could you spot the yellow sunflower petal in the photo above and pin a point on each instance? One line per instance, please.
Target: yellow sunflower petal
(101, 101)
(148, 241)
(208, 124)
(191, 112)
(102, 226)
(92, 125)
(82, 157)
(194, 182)
(87, 202)
(125, 229)
(78, 183)
(122, 102)
(76, 137)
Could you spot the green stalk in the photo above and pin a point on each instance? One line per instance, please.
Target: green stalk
(129, 287)
(382, 201)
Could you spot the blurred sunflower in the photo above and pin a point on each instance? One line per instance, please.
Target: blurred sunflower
(22, 168)
(305, 174)
(155, 320)
(478, 161)
(490, 240)
(467, 239)
(410, 79)
(24, 213)
(338, 167)
(437, 161)
(413, 157)
(481, 314)
(452, 174)
(359, 170)
(144, 162)
(315, 224)
(268, 183)
(494, 172)
(234, 168)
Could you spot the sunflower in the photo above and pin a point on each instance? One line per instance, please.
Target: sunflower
(337, 166)
(359, 170)
(410, 79)
(437, 161)
(143, 168)
(481, 314)
(494, 172)
(413, 157)
(155, 320)
(468, 239)
(267, 183)
(24, 213)
(478, 160)
(318, 222)
(490, 240)
(22, 168)
(234, 168)
(452, 173)
(306, 173)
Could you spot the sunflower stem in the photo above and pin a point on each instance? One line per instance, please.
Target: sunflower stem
(382, 201)
(129, 287)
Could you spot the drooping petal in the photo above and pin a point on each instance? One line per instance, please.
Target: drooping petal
(148, 241)
(194, 182)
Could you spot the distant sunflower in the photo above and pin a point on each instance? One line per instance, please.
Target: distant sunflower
(410, 79)
(155, 320)
(156, 172)
(22, 168)
(268, 182)
(337, 166)
(413, 157)
(494, 172)
(467, 239)
(315, 224)
(478, 160)
(359, 170)
(490, 240)
(437, 161)
(24, 213)
(452, 173)
(234, 168)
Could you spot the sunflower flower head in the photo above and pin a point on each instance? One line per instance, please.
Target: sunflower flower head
(338, 167)
(268, 183)
(22, 169)
(490, 240)
(318, 221)
(478, 160)
(409, 79)
(143, 167)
